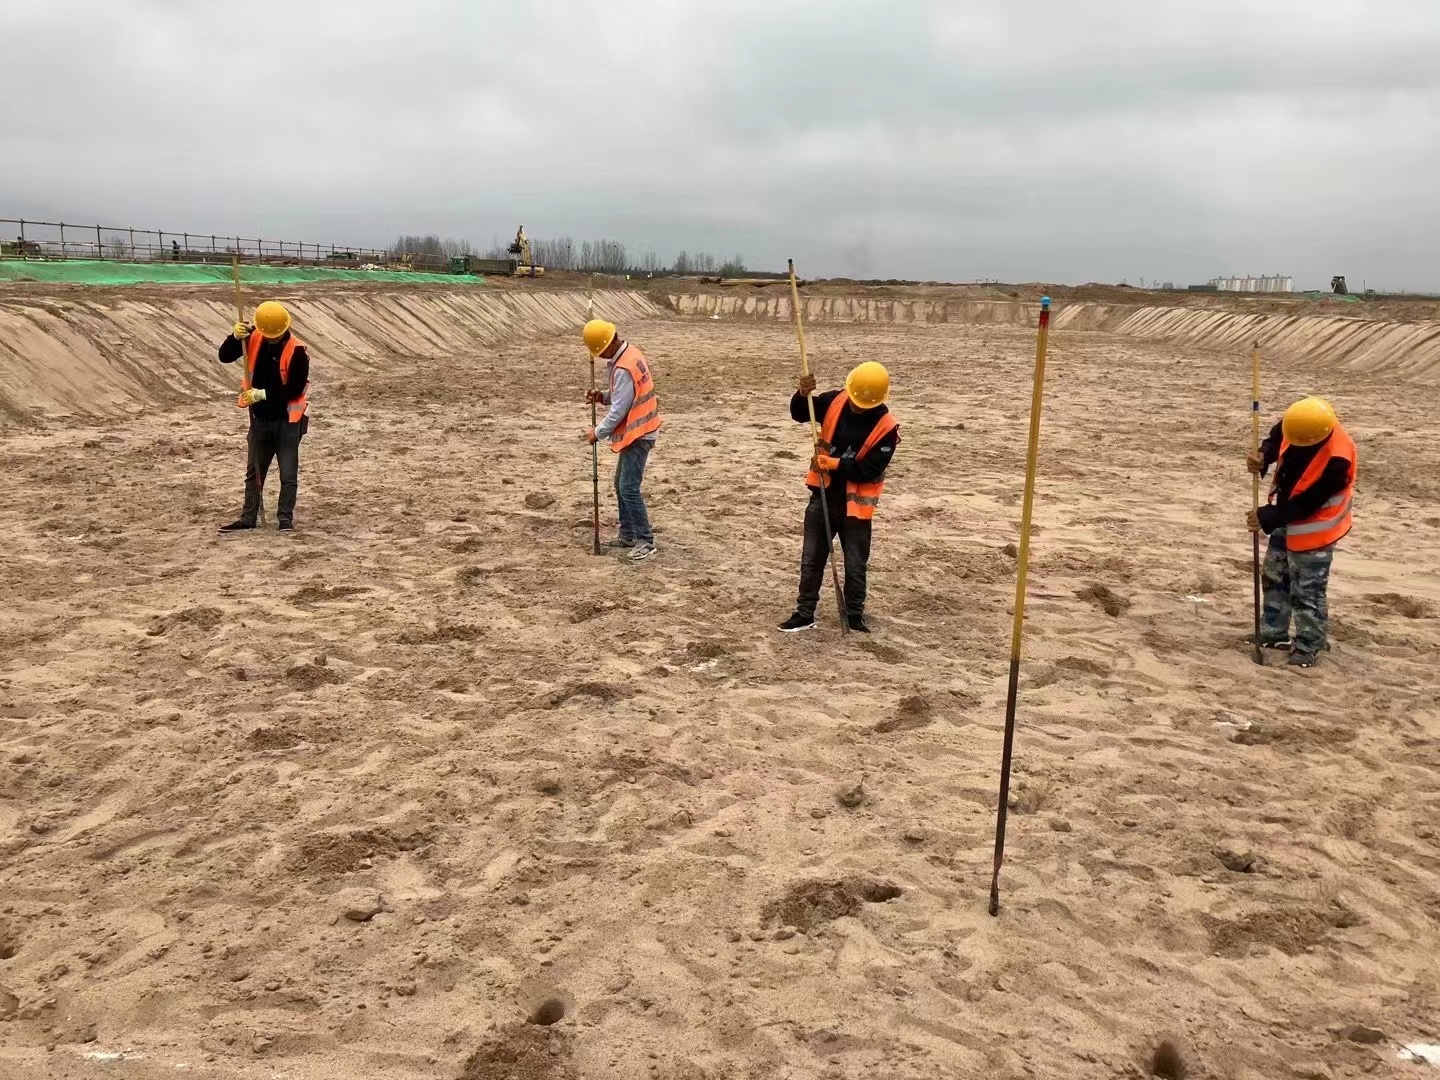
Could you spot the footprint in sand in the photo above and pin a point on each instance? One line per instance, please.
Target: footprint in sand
(811, 903)
(1105, 598)
(913, 711)
(9, 941)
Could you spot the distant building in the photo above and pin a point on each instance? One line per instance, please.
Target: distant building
(1276, 283)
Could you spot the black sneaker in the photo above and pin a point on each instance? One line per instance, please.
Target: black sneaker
(237, 526)
(617, 543)
(1303, 659)
(857, 623)
(797, 622)
(286, 526)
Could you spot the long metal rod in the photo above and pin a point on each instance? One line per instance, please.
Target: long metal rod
(1257, 653)
(239, 309)
(235, 276)
(594, 419)
(594, 467)
(244, 365)
(1022, 571)
(815, 441)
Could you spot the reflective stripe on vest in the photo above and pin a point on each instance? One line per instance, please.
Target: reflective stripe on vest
(860, 499)
(295, 410)
(644, 414)
(1329, 524)
(1332, 511)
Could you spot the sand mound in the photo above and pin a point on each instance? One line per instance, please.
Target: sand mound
(112, 352)
(1402, 350)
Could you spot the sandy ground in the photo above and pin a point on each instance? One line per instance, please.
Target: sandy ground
(588, 812)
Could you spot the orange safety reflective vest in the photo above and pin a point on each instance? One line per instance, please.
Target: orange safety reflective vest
(296, 409)
(1332, 521)
(644, 414)
(860, 499)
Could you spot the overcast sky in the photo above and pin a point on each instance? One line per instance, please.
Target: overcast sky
(1046, 141)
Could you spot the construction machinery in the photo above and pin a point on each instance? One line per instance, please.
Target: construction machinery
(521, 261)
(1337, 285)
(521, 257)
(21, 248)
(476, 264)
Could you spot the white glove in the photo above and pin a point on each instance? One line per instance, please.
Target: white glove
(250, 397)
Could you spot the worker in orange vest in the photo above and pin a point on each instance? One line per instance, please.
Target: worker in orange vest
(631, 425)
(858, 437)
(275, 388)
(1309, 512)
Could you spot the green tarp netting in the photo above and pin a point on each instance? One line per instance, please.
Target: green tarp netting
(81, 272)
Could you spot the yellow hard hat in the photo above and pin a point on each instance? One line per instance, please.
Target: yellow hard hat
(868, 385)
(1309, 421)
(598, 335)
(271, 319)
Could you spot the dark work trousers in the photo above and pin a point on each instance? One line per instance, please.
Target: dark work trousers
(854, 542)
(270, 439)
(629, 472)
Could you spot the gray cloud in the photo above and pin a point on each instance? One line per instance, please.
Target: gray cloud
(1049, 141)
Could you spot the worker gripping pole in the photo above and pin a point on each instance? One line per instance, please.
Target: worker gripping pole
(1021, 573)
(1257, 653)
(594, 419)
(815, 443)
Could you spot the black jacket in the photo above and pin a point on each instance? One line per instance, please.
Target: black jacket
(267, 374)
(1285, 509)
(851, 431)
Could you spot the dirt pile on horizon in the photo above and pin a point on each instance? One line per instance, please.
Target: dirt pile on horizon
(96, 353)
(69, 353)
(427, 790)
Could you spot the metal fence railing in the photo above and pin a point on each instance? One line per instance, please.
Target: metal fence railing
(63, 240)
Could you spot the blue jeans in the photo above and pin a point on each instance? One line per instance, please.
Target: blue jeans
(629, 471)
(1295, 587)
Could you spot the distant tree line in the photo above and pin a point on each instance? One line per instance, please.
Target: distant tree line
(588, 256)
(431, 244)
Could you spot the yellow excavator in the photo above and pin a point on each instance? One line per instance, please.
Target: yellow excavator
(522, 257)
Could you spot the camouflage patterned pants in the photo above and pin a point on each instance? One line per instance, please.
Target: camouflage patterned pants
(1295, 584)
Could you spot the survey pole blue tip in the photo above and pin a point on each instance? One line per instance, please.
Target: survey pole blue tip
(1044, 301)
